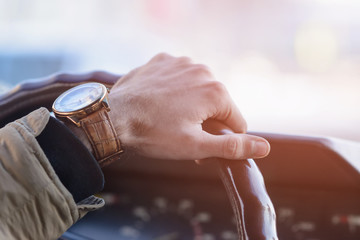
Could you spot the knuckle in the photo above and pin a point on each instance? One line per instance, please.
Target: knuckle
(202, 67)
(217, 87)
(217, 93)
(161, 56)
(184, 59)
(188, 139)
(201, 70)
(232, 148)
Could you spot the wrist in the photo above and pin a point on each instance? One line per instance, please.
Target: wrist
(121, 121)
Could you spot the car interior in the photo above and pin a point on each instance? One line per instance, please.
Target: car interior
(313, 184)
(292, 69)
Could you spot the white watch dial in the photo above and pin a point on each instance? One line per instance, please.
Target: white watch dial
(79, 97)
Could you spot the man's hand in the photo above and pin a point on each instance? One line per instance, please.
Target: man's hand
(159, 109)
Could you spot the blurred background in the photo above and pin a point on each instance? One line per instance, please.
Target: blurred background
(292, 66)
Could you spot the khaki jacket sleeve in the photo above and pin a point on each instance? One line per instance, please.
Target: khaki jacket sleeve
(33, 202)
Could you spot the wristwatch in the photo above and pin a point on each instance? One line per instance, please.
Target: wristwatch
(86, 106)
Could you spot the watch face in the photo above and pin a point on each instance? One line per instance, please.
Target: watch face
(79, 97)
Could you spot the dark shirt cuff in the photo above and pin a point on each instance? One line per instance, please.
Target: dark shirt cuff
(76, 167)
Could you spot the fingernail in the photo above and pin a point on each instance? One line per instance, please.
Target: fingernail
(262, 148)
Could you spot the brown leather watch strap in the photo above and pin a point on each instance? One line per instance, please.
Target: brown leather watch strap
(102, 136)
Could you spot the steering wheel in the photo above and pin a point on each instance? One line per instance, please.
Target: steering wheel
(244, 183)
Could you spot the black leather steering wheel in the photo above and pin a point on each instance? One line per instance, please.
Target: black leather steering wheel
(244, 183)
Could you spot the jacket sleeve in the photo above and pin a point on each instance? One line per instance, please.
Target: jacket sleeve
(34, 203)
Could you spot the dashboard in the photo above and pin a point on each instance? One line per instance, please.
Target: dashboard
(160, 208)
(314, 184)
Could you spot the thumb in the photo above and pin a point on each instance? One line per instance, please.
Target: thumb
(234, 146)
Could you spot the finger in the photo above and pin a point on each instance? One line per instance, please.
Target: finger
(226, 110)
(217, 128)
(235, 119)
(233, 146)
(232, 117)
